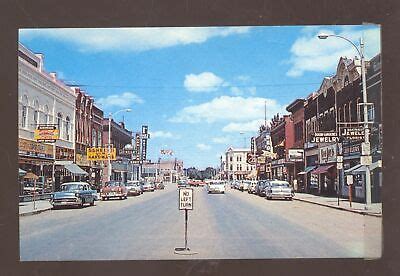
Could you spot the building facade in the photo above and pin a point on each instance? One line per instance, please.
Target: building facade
(236, 167)
(43, 99)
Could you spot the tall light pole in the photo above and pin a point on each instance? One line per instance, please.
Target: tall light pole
(109, 138)
(365, 102)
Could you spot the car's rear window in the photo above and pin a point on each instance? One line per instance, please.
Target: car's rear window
(280, 184)
(71, 187)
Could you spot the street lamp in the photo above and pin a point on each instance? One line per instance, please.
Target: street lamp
(109, 138)
(366, 130)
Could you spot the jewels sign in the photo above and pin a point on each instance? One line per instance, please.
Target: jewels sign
(185, 199)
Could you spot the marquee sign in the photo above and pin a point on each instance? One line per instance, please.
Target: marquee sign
(46, 133)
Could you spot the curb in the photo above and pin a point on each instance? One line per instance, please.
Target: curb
(34, 212)
(340, 208)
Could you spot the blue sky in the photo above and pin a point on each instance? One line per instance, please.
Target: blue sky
(197, 88)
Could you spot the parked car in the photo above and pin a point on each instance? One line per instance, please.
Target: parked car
(73, 194)
(245, 186)
(252, 187)
(133, 188)
(279, 189)
(260, 187)
(113, 189)
(148, 187)
(216, 187)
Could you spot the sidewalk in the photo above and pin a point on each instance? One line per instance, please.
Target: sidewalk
(344, 204)
(27, 208)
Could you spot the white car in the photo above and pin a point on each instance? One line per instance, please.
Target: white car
(278, 189)
(216, 187)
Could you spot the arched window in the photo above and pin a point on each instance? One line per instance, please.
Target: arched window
(339, 114)
(24, 111)
(346, 81)
(344, 113)
(59, 122)
(66, 128)
(359, 118)
(35, 113)
(46, 114)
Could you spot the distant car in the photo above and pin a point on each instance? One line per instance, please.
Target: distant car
(113, 189)
(260, 187)
(148, 187)
(73, 194)
(245, 186)
(252, 187)
(279, 189)
(133, 188)
(182, 183)
(216, 187)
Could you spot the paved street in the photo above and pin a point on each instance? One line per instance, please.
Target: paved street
(227, 226)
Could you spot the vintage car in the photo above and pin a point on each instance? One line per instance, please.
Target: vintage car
(160, 186)
(279, 189)
(73, 194)
(182, 183)
(252, 187)
(148, 187)
(113, 189)
(216, 187)
(134, 188)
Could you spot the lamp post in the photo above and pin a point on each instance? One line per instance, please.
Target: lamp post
(109, 138)
(365, 121)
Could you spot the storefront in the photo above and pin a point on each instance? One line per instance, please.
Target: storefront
(311, 158)
(328, 183)
(278, 169)
(36, 158)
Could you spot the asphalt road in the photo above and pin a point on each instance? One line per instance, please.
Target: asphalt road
(234, 225)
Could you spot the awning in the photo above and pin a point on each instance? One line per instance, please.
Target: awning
(21, 172)
(363, 168)
(75, 169)
(322, 169)
(307, 170)
(31, 175)
(352, 168)
(377, 164)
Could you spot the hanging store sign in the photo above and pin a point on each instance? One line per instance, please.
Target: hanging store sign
(251, 158)
(100, 153)
(325, 137)
(252, 144)
(295, 155)
(327, 154)
(352, 133)
(46, 133)
(137, 148)
(145, 132)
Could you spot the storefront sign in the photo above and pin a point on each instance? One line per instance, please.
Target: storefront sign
(35, 149)
(137, 147)
(46, 133)
(325, 137)
(352, 133)
(64, 154)
(100, 153)
(251, 158)
(327, 154)
(296, 155)
(81, 160)
(351, 149)
(145, 130)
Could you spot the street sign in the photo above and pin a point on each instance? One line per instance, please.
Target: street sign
(349, 179)
(339, 158)
(365, 148)
(339, 166)
(325, 137)
(185, 199)
(97, 154)
(46, 133)
(366, 160)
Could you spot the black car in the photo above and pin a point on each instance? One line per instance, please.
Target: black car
(260, 187)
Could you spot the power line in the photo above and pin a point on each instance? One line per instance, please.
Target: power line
(194, 87)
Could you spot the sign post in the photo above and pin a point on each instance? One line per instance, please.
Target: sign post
(185, 203)
(349, 182)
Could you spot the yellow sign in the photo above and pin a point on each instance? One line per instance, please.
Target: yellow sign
(96, 154)
(46, 133)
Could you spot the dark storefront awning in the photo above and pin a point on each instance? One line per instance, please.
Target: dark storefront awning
(75, 169)
(307, 170)
(362, 168)
(322, 169)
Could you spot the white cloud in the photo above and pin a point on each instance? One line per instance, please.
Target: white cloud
(162, 134)
(204, 82)
(228, 109)
(249, 126)
(123, 100)
(203, 147)
(243, 78)
(131, 39)
(309, 53)
(243, 91)
(221, 140)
